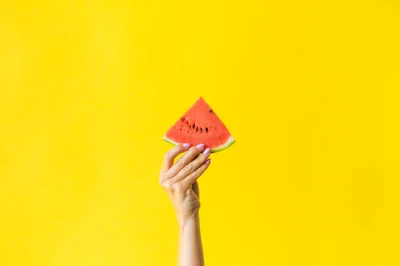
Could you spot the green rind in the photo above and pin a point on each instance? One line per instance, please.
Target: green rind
(169, 141)
(229, 143)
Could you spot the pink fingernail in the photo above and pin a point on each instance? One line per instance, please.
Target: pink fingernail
(206, 152)
(186, 145)
(200, 146)
(208, 161)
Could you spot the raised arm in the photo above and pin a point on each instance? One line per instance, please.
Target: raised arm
(180, 182)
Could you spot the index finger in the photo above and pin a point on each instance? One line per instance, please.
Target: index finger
(171, 155)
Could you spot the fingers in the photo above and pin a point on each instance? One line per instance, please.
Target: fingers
(191, 167)
(192, 178)
(184, 160)
(171, 155)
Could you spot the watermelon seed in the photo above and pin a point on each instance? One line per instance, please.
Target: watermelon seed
(193, 126)
(211, 111)
(206, 129)
(197, 129)
(201, 129)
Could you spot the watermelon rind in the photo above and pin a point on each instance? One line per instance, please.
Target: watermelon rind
(222, 147)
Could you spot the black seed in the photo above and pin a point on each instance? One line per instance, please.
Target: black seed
(193, 126)
(211, 111)
(201, 129)
(206, 129)
(197, 129)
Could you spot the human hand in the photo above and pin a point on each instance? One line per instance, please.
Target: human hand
(179, 180)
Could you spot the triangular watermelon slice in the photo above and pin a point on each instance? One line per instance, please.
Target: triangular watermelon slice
(200, 124)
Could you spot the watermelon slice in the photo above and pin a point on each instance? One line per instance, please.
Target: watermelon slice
(200, 124)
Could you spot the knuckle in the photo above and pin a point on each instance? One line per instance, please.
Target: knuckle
(192, 151)
(177, 186)
(181, 161)
(189, 168)
(168, 156)
(167, 184)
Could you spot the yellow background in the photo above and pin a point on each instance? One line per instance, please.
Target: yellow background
(309, 89)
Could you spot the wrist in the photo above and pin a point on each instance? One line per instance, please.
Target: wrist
(190, 219)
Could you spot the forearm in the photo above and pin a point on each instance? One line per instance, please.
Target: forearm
(180, 182)
(190, 246)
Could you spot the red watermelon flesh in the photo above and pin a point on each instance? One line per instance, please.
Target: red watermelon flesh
(200, 124)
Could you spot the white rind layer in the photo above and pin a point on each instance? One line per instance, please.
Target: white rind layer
(222, 147)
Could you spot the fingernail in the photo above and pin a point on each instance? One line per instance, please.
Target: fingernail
(200, 146)
(186, 145)
(208, 161)
(206, 152)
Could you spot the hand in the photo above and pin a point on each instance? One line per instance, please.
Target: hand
(180, 179)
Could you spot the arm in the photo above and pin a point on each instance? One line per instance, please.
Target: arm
(190, 247)
(180, 182)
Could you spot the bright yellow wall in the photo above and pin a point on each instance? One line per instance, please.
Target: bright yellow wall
(309, 89)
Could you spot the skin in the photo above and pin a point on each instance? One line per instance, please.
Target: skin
(179, 180)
